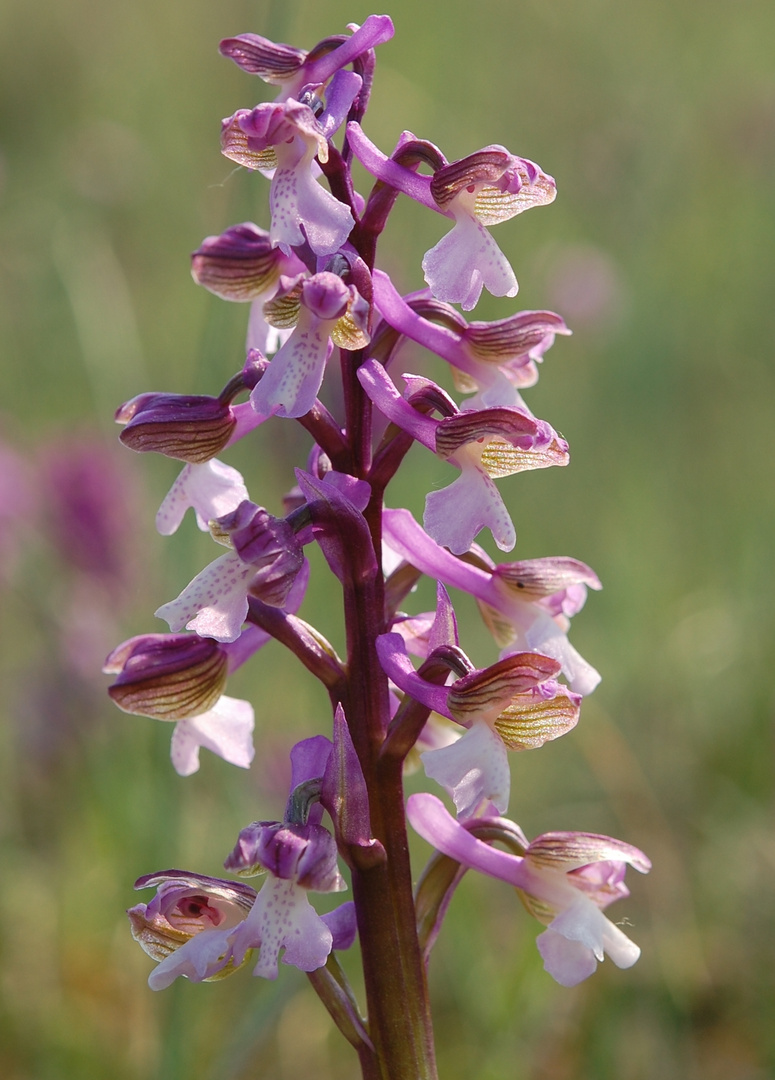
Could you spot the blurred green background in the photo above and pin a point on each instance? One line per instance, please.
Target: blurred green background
(658, 120)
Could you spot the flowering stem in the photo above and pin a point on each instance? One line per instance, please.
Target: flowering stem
(396, 989)
(358, 412)
(394, 973)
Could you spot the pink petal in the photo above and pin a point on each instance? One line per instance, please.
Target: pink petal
(433, 822)
(584, 923)
(385, 395)
(546, 636)
(326, 221)
(396, 664)
(464, 261)
(212, 489)
(226, 730)
(290, 386)
(568, 962)
(455, 515)
(282, 917)
(197, 959)
(472, 770)
(215, 603)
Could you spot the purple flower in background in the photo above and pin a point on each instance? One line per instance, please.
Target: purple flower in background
(88, 502)
(19, 504)
(566, 879)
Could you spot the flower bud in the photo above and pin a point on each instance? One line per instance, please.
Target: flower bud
(303, 854)
(191, 428)
(485, 693)
(267, 543)
(167, 676)
(240, 264)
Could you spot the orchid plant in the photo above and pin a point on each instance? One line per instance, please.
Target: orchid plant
(405, 689)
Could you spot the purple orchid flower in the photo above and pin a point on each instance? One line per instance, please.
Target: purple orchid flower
(167, 676)
(424, 633)
(266, 562)
(191, 428)
(485, 188)
(299, 858)
(185, 906)
(286, 137)
(482, 189)
(292, 69)
(513, 705)
(242, 264)
(194, 428)
(202, 928)
(495, 359)
(520, 622)
(181, 678)
(483, 444)
(326, 312)
(566, 879)
(225, 921)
